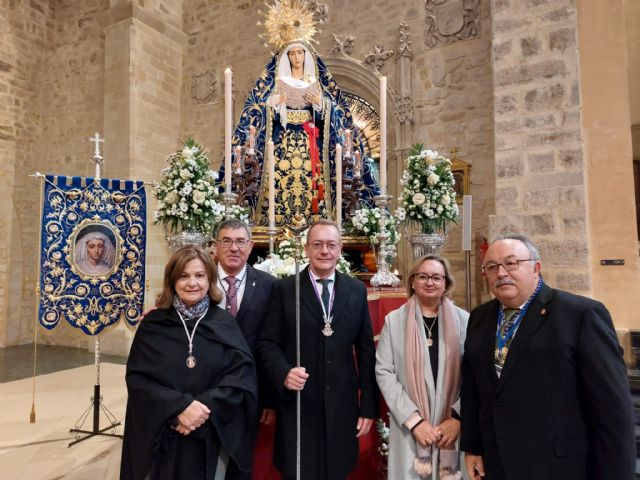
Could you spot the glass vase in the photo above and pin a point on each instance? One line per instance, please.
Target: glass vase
(186, 238)
(427, 244)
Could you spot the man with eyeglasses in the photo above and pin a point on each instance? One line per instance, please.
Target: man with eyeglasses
(336, 375)
(545, 394)
(246, 293)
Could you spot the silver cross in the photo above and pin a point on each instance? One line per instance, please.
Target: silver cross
(97, 158)
(97, 140)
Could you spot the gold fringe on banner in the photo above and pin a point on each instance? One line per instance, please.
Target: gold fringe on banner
(32, 415)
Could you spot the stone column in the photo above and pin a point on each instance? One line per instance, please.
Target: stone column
(608, 157)
(143, 76)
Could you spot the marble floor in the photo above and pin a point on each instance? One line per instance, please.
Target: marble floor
(64, 385)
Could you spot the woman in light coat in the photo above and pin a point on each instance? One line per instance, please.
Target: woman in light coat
(418, 364)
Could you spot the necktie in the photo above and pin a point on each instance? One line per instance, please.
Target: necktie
(509, 319)
(325, 293)
(232, 292)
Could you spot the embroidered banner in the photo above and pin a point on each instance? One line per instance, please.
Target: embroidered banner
(92, 252)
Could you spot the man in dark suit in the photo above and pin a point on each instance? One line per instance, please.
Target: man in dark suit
(337, 360)
(545, 394)
(246, 295)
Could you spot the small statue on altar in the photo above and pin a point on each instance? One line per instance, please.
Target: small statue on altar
(296, 104)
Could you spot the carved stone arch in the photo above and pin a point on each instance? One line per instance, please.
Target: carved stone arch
(354, 77)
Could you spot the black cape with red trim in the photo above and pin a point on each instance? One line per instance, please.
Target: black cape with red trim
(160, 387)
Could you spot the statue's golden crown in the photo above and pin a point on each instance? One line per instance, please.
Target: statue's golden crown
(286, 22)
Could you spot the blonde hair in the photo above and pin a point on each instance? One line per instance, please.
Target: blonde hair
(449, 281)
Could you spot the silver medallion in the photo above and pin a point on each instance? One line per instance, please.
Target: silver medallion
(429, 342)
(191, 361)
(327, 331)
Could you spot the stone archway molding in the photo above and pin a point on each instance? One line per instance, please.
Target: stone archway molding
(355, 77)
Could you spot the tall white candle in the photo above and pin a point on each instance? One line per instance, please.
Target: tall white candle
(338, 161)
(272, 184)
(228, 80)
(383, 135)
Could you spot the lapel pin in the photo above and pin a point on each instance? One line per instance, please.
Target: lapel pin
(253, 284)
(543, 311)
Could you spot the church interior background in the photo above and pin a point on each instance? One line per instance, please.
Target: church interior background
(540, 98)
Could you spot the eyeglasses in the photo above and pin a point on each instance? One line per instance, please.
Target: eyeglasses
(240, 242)
(510, 264)
(423, 278)
(318, 246)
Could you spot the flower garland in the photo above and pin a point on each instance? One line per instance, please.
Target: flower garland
(383, 448)
(428, 195)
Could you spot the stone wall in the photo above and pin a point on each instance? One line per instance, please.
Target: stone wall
(26, 31)
(540, 181)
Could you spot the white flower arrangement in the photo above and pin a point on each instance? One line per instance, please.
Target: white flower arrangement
(282, 263)
(428, 195)
(188, 196)
(366, 221)
(238, 212)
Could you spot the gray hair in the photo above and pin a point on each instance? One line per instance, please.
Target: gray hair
(533, 250)
(233, 224)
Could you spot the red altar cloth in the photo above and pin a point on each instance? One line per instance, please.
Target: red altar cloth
(381, 302)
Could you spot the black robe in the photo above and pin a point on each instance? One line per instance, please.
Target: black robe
(341, 386)
(160, 387)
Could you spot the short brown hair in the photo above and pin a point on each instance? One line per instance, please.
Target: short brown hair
(176, 265)
(449, 281)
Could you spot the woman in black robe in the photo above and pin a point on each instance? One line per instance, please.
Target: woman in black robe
(191, 381)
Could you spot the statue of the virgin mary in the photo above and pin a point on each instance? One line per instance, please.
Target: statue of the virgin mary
(297, 104)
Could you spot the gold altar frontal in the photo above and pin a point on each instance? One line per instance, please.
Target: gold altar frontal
(260, 236)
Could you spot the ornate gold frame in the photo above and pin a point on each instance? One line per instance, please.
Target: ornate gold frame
(461, 172)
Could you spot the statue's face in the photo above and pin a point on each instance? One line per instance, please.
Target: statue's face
(95, 249)
(296, 57)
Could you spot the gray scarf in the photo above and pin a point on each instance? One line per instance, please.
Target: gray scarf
(194, 312)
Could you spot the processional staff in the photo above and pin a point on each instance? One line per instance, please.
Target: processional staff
(299, 226)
